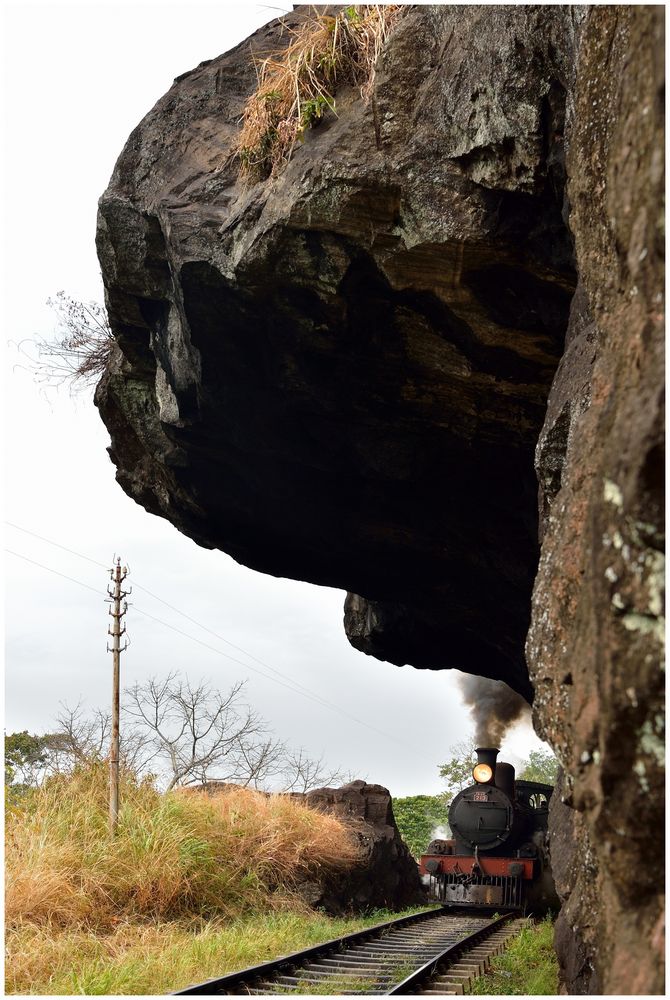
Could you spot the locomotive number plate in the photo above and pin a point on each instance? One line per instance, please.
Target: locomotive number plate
(480, 797)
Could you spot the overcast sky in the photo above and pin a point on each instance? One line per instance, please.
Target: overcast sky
(77, 79)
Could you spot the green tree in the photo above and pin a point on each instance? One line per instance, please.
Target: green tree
(457, 771)
(541, 766)
(25, 757)
(419, 818)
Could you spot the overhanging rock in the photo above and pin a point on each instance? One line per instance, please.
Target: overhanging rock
(340, 374)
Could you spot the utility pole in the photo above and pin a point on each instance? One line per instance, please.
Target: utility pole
(118, 574)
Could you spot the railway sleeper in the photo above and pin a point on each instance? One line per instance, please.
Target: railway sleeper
(364, 966)
(400, 950)
(349, 973)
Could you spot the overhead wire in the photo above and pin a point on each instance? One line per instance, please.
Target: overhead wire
(287, 683)
(178, 611)
(161, 600)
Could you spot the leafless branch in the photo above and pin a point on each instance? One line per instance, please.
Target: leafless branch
(79, 353)
(301, 772)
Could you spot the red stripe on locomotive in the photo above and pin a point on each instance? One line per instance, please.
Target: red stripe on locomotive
(459, 864)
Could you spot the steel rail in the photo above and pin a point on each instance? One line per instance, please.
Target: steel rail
(223, 984)
(416, 979)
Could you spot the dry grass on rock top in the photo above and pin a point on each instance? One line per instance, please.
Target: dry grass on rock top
(297, 85)
(176, 855)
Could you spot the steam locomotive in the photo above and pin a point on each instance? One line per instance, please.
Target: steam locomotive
(498, 856)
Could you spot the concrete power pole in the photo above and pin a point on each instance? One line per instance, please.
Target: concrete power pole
(118, 575)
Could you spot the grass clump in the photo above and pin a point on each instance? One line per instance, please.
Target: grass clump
(528, 967)
(297, 86)
(193, 886)
(183, 854)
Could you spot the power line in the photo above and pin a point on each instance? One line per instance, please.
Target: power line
(55, 572)
(205, 628)
(289, 685)
(306, 693)
(178, 611)
(50, 541)
(295, 684)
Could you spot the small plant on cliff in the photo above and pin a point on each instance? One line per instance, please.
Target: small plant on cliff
(79, 353)
(296, 87)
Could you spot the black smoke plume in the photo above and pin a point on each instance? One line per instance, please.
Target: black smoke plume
(494, 707)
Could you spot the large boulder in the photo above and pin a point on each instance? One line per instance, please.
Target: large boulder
(340, 374)
(387, 876)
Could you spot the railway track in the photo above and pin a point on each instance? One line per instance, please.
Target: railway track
(435, 952)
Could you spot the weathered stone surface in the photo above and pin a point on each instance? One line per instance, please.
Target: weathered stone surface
(340, 374)
(595, 645)
(388, 874)
(573, 865)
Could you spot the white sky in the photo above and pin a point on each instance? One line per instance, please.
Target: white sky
(77, 79)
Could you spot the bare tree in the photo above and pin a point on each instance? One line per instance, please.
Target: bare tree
(260, 762)
(301, 773)
(186, 734)
(201, 734)
(79, 739)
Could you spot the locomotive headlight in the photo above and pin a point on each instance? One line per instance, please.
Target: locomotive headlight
(482, 773)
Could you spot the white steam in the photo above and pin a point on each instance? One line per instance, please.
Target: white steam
(440, 833)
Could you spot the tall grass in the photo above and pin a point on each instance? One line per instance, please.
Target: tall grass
(176, 855)
(298, 85)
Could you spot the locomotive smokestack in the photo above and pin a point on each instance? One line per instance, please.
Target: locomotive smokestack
(487, 755)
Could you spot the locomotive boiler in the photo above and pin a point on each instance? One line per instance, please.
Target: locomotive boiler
(498, 854)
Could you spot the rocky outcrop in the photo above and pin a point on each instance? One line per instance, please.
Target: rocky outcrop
(595, 645)
(357, 373)
(387, 876)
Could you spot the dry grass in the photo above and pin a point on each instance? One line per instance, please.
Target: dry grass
(176, 855)
(297, 86)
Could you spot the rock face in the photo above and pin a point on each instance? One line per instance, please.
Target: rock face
(356, 373)
(388, 875)
(595, 644)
